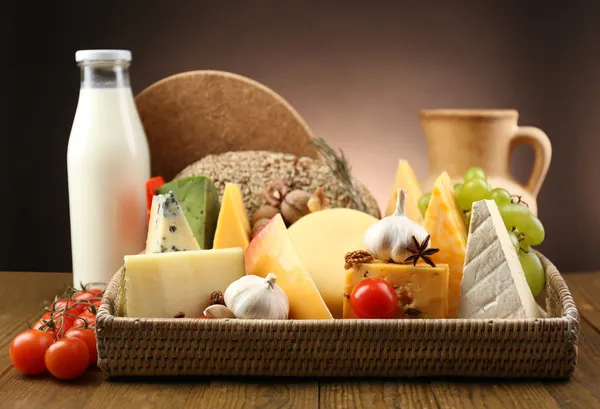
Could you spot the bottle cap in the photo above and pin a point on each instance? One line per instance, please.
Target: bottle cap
(102, 55)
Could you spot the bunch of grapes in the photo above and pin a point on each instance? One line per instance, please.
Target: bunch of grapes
(524, 228)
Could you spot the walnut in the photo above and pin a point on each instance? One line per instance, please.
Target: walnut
(294, 206)
(264, 212)
(275, 192)
(217, 298)
(258, 226)
(318, 200)
(356, 257)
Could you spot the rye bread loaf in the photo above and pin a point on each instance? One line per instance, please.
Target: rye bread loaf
(255, 170)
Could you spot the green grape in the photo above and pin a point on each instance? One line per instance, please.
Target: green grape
(474, 173)
(424, 202)
(472, 191)
(500, 196)
(514, 240)
(457, 187)
(534, 271)
(519, 216)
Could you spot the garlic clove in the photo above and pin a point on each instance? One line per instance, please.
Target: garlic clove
(218, 311)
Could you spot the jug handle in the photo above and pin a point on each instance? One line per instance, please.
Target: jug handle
(542, 150)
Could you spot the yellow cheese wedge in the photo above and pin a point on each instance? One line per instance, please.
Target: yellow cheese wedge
(233, 226)
(271, 251)
(406, 179)
(321, 240)
(444, 221)
(163, 284)
(428, 286)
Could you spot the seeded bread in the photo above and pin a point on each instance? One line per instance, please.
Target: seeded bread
(255, 170)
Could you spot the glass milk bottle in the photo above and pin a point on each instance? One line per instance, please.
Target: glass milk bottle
(108, 164)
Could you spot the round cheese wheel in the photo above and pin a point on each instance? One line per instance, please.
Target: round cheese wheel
(321, 240)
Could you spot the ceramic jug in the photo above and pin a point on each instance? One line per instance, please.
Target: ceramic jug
(461, 138)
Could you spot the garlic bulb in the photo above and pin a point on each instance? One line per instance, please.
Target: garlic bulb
(254, 297)
(390, 238)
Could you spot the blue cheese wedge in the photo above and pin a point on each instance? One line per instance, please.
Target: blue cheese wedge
(493, 283)
(164, 285)
(168, 229)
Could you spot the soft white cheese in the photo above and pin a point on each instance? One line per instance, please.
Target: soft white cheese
(493, 283)
(168, 229)
(163, 284)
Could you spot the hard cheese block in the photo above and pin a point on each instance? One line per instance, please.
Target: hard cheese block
(199, 201)
(406, 179)
(271, 251)
(233, 226)
(493, 284)
(162, 285)
(168, 229)
(445, 223)
(427, 286)
(321, 240)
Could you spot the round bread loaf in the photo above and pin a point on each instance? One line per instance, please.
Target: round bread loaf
(193, 114)
(253, 171)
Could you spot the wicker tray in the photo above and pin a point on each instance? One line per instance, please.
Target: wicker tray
(545, 347)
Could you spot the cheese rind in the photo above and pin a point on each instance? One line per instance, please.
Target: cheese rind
(233, 226)
(428, 286)
(321, 240)
(164, 284)
(272, 251)
(168, 229)
(493, 284)
(406, 179)
(445, 223)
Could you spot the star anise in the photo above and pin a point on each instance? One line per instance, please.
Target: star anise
(421, 251)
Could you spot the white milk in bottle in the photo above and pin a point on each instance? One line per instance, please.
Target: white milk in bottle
(108, 165)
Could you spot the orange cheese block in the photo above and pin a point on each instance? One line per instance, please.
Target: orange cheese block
(428, 286)
(444, 221)
(233, 226)
(406, 180)
(272, 251)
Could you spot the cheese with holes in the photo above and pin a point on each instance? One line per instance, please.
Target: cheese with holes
(164, 284)
(493, 283)
(444, 221)
(168, 229)
(321, 240)
(427, 287)
(406, 179)
(272, 251)
(233, 226)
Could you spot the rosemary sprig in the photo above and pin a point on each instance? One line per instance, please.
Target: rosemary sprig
(341, 169)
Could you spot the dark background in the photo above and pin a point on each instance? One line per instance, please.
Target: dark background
(357, 72)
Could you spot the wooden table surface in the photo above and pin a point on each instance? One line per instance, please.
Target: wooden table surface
(23, 296)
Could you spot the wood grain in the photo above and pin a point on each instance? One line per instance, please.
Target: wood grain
(492, 394)
(260, 393)
(376, 394)
(148, 393)
(583, 390)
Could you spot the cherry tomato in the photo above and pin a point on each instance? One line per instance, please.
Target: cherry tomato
(88, 316)
(67, 358)
(374, 298)
(27, 351)
(56, 321)
(89, 337)
(70, 306)
(41, 326)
